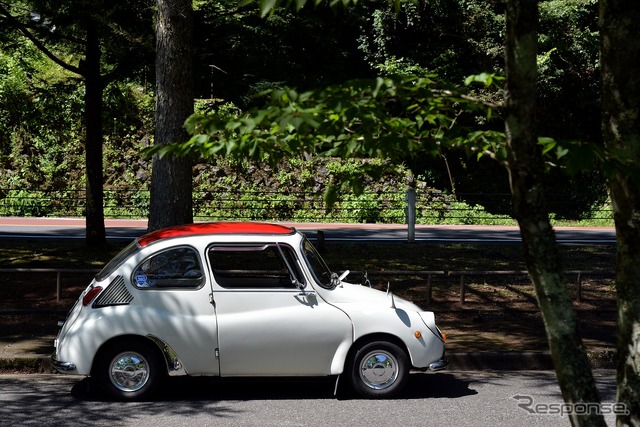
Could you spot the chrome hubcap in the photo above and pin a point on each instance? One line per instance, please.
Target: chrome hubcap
(379, 369)
(129, 371)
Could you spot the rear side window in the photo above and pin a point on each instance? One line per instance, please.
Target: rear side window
(255, 266)
(174, 268)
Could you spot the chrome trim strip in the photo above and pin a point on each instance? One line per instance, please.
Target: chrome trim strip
(174, 365)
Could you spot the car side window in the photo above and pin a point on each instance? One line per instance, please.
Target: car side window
(269, 266)
(174, 268)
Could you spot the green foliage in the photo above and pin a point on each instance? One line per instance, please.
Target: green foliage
(446, 210)
(399, 67)
(363, 208)
(35, 99)
(568, 70)
(295, 189)
(42, 130)
(24, 203)
(11, 88)
(449, 38)
(381, 118)
(486, 79)
(42, 137)
(126, 203)
(397, 120)
(402, 117)
(129, 126)
(269, 6)
(243, 54)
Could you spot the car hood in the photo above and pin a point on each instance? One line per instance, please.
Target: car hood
(348, 293)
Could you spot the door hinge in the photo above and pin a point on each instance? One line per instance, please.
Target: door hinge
(211, 301)
(218, 354)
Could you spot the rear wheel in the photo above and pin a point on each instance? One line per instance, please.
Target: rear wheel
(128, 370)
(379, 369)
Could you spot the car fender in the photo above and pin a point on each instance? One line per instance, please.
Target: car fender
(422, 344)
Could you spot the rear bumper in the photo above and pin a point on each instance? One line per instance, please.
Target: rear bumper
(439, 365)
(61, 366)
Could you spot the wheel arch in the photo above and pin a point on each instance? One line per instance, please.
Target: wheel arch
(367, 368)
(155, 344)
(369, 338)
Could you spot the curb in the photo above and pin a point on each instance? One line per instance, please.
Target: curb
(521, 360)
(470, 361)
(27, 365)
(501, 360)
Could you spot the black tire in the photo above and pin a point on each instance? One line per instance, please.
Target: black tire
(128, 370)
(379, 369)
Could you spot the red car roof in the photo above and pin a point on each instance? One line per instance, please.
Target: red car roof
(214, 228)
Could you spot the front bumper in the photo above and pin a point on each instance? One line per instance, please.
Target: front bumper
(60, 366)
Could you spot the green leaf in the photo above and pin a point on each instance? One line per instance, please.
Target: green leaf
(330, 196)
(266, 6)
(561, 152)
(547, 143)
(487, 79)
(357, 185)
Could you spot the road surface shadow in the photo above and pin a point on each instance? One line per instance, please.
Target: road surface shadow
(420, 386)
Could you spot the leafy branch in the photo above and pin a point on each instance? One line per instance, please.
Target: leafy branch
(384, 118)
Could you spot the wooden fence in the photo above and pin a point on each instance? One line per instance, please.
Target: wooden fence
(462, 276)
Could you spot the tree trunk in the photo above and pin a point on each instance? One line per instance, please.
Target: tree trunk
(95, 230)
(526, 169)
(620, 56)
(171, 179)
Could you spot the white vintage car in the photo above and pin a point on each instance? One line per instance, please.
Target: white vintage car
(239, 299)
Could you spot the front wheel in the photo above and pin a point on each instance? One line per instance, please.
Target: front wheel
(128, 370)
(379, 369)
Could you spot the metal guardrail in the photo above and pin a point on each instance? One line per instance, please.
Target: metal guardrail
(464, 274)
(461, 274)
(431, 207)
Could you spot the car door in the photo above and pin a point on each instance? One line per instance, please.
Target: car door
(267, 324)
(173, 305)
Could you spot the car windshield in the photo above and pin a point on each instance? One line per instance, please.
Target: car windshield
(117, 261)
(318, 267)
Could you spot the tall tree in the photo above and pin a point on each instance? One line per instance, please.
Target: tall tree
(526, 175)
(79, 28)
(171, 184)
(620, 54)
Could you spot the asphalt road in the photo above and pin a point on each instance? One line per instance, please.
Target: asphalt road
(74, 228)
(432, 399)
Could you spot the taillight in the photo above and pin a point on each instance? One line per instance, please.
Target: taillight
(93, 292)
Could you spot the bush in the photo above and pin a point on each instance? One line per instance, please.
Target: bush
(25, 203)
